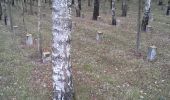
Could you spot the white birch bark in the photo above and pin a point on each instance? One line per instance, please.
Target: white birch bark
(61, 33)
(146, 14)
(113, 13)
(147, 6)
(10, 15)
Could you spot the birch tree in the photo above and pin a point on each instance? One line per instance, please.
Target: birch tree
(61, 36)
(10, 15)
(124, 7)
(147, 9)
(113, 13)
(168, 8)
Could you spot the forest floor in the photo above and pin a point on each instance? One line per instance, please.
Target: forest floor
(108, 70)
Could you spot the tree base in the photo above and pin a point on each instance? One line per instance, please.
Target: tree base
(145, 23)
(160, 3)
(114, 22)
(168, 11)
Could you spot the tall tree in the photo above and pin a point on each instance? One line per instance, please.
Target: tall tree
(124, 7)
(0, 11)
(160, 2)
(113, 13)
(72, 2)
(78, 12)
(79, 4)
(39, 29)
(25, 5)
(23, 14)
(96, 9)
(12, 1)
(147, 10)
(10, 15)
(61, 36)
(31, 9)
(139, 27)
(168, 8)
(89, 2)
(110, 4)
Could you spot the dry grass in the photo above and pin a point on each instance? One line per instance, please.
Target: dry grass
(110, 70)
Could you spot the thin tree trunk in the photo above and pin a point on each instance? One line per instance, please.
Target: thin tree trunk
(50, 2)
(113, 13)
(78, 12)
(110, 4)
(145, 20)
(23, 15)
(25, 5)
(5, 13)
(12, 2)
(168, 8)
(72, 2)
(89, 2)
(124, 7)
(79, 4)
(0, 11)
(31, 10)
(39, 29)
(61, 61)
(139, 28)
(160, 2)
(96, 9)
(10, 15)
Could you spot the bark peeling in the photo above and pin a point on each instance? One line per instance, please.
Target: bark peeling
(61, 62)
(113, 13)
(145, 20)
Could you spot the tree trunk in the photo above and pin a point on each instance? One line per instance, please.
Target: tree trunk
(25, 5)
(79, 4)
(78, 12)
(72, 2)
(168, 8)
(23, 15)
(89, 2)
(139, 28)
(39, 29)
(61, 37)
(45, 1)
(0, 11)
(160, 2)
(110, 4)
(145, 20)
(31, 10)
(50, 2)
(96, 9)
(12, 2)
(5, 13)
(10, 15)
(113, 13)
(124, 7)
